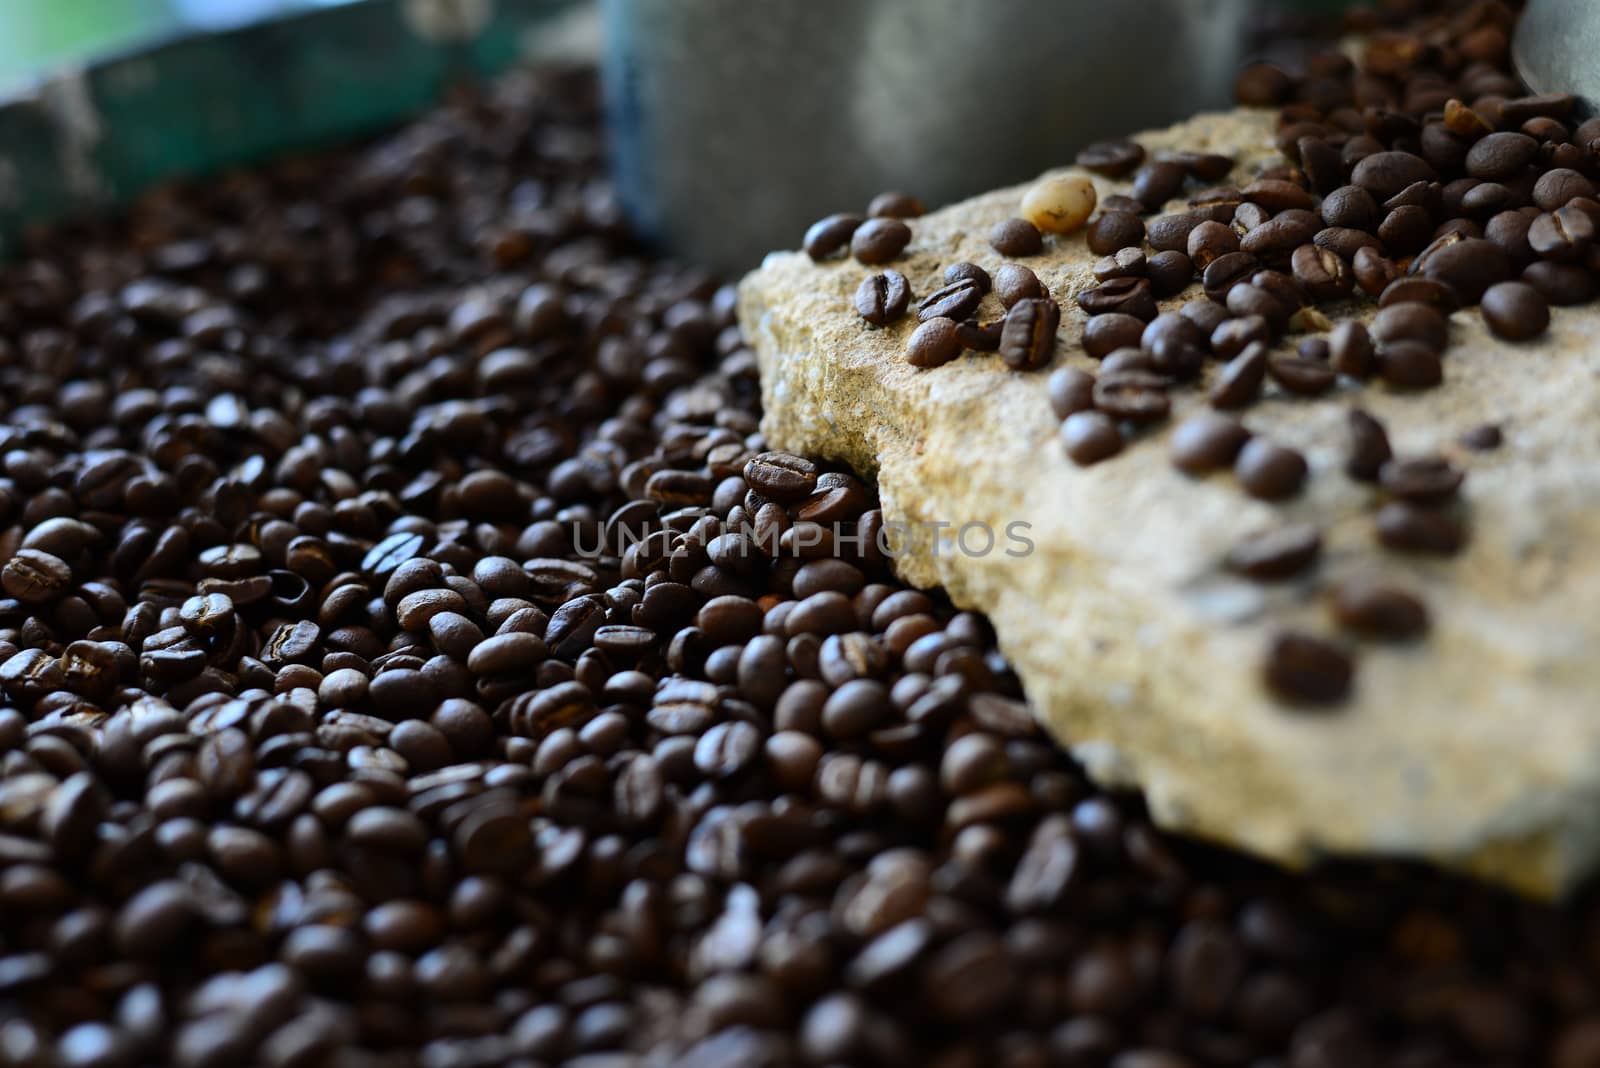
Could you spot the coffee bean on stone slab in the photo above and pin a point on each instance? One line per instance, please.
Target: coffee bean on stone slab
(1564, 235)
(1562, 284)
(1059, 204)
(1368, 446)
(1412, 322)
(1132, 396)
(1406, 527)
(1207, 442)
(1374, 272)
(1170, 274)
(1501, 155)
(1378, 609)
(1014, 282)
(955, 300)
(1124, 296)
(933, 344)
(1238, 384)
(1350, 207)
(1115, 230)
(1301, 375)
(1070, 390)
(1469, 267)
(1125, 263)
(1410, 364)
(1090, 437)
(1104, 334)
(1305, 669)
(1156, 183)
(1016, 237)
(1113, 159)
(1384, 174)
(1028, 339)
(1277, 554)
(1269, 471)
(880, 240)
(829, 235)
(882, 298)
(1515, 311)
(970, 272)
(1421, 480)
(895, 205)
(1415, 290)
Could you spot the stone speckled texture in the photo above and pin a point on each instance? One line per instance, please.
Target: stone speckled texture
(1477, 748)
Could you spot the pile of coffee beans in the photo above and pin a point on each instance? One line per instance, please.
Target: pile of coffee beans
(413, 655)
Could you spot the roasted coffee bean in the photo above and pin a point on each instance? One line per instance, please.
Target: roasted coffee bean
(1384, 174)
(1132, 395)
(1127, 263)
(1104, 334)
(1028, 339)
(956, 300)
(1277, 554)
(934, 343)
(1413, 290)
(829, 235)
(1410, 364)
(1227, 271)
(1014, 282)
(1350, 207)
(1377, 609)
(1239, 382)
(1205, 443)
(1374, 272)
(1279, 236)
(1562, 284)
(1115, 230)
(1425, 480)
(1321, 273)
(1304, 669)
(968, 272)
(781, 476)
(883, 298)
(35, 577)
(1210, 240)
(1170, 274)
(1268, 470)
(879, 240)
(1016, 237)
(1469, 267)
(980, 337)
(1297, 374)
(1156, 183)
(1262, 85)
(1411, 322)
(1090, 437)
(1350, 350)
(1346, 243)
(1369, 446)
(1120, 296)
(1562, 235)
(1501, 155)
(1114, 159)
(1556, 188)
(1408, 528)
(895, 205)
(1070, 390)
(1515, 311)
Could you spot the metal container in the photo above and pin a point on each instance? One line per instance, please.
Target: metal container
(1557, 48)
(735, 123)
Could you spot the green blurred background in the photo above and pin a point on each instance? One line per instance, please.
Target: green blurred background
(39, 35)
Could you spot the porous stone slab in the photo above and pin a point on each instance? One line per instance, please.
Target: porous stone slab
(1477, 748)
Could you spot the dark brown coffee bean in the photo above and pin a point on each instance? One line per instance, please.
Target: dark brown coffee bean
(879, 240)
(1132, 395)
(35, 577)
(1127, 263)
(1562, 284)
(1321, 273)
(1279, 236)
(1233, 336)
(1408, 528)
(1410, 364)
(1028, 339)
(1300, 375)
(1385, 174)
(895, 205)
(1411, 322)
(1346, 243)
(1120, 296)
(1104, 334)
(1170, 274)
(1014, 282)
(1469, 267)
(1556, 188)
(1262, 85)
(1114, 159)
(1113, 231)
(1515, 311)
(1277, 554)
(1015, 237)
(781, 476)
(1304, 669)
(1269, 471)
(1563, 235)
(1350, 349)
(855, 708)
(1156, 183)
(956, 300)
(1227, 271)
(934, 344)
(1090, 437)
(1426, 291)
(1425, 480)
(882, 298)
(1239, 382)
(1206, 442)
(1501, 155)
(1374, 272)
(830, 235)
(1369, 446)
(1378, 609)
(1172, 232)
(1350, 207)
(1070, 390)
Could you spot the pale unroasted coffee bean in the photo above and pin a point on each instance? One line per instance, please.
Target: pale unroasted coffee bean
(1060, 204)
